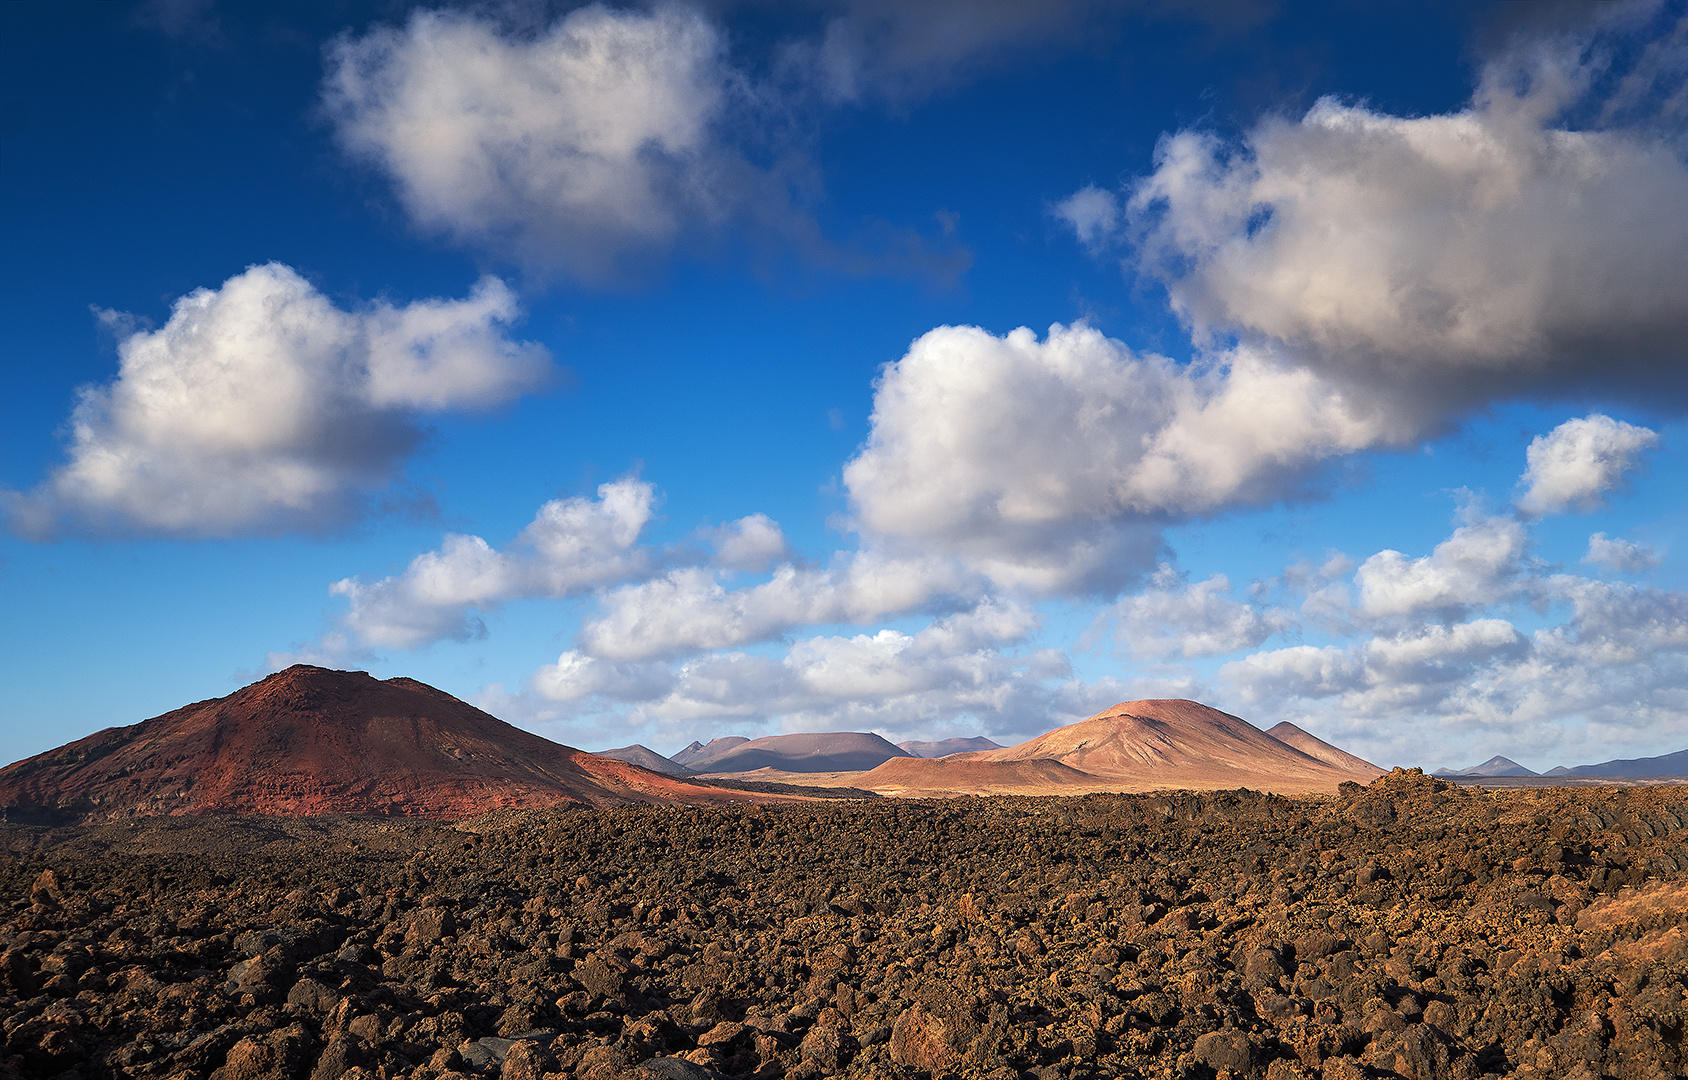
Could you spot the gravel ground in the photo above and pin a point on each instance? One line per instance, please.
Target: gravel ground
(1410, 928)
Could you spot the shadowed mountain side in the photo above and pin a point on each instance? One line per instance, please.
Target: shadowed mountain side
(946, 747)
(697, 751)
(918, 778)
(646, 758)
(832, 751)
(1315, 747)
(1664, 765)
(1138, 745)
(312, 741)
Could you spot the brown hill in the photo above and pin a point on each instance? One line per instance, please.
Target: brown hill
(1313, 746)
(644, 757)
(1138, 745)
(312, 741)
(697, 751)
(830, 751)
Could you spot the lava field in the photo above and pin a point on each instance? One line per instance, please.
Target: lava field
(1409, 928)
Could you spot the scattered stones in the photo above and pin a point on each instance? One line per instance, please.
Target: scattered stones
(1410, 928)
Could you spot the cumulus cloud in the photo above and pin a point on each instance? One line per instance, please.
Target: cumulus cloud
(1437, 262)
(262, 407)
(1478, 565)
(1624, 556)
(688, 609)
(575, 676)
(592, 138)
(1605, 681)
(1577, 463)
(571, 546)
(958, 673)
(1405, 668)
(750, 544)
(1193, 620)
(1048, 465)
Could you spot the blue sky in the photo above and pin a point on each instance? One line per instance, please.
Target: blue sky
(652, 373)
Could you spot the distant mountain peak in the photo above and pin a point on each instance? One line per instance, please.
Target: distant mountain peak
(1495, 766)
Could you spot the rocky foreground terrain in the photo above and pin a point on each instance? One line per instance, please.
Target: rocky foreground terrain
(1408, 928)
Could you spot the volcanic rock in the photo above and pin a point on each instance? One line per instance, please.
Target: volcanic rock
(1411, 928)
(312, 741)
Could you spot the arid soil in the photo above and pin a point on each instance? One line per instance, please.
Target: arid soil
(1408, 928)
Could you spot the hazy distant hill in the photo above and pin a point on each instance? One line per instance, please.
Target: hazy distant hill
(1664, 765)
(946, 747)
(1495, 766)
(697, 751)
(831, 751)
(646, 758)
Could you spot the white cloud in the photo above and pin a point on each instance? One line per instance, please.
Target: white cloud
(572, 545)
(262, 407)
(568, 147)
(1577, 463)
(952, 675)
(689, 610)
(1605, 682)
(1092, 213)
(1624, 556)
(1441, 261)
(1195, 620)
(1478, 565)
(1048, 465)
(751, 544)
(575, 676)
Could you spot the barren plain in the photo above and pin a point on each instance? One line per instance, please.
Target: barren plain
(1411, 928)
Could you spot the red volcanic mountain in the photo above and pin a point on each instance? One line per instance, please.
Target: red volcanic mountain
(312, 741)
(1176, 743)
(1134, 746)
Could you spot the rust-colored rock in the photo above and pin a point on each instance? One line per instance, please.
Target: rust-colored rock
(311, 741)
(920, 1040)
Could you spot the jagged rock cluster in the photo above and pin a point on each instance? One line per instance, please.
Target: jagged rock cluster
(1409, 928)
